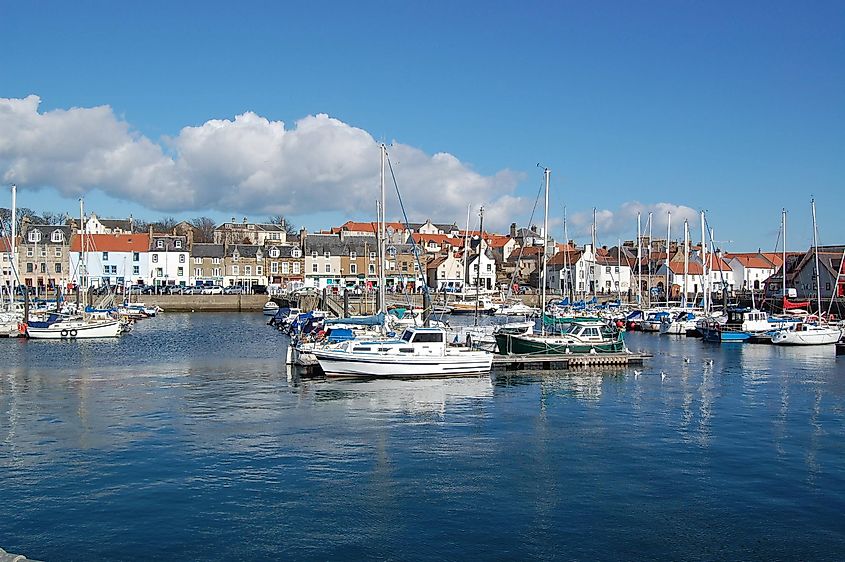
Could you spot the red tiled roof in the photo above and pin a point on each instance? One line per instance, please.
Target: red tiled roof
(111, 242)
(756, 261)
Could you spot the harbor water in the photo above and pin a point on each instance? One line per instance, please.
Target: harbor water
(188, 440)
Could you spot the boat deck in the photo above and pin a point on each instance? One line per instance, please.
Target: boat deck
(563, 361)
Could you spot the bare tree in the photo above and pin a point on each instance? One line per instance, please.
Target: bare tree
(283, 221)
(49, 217)
(203, 229)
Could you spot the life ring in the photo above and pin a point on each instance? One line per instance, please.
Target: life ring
(64, 333)
(22, 327)
(73, 333)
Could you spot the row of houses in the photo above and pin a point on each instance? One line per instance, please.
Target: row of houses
(441, 256)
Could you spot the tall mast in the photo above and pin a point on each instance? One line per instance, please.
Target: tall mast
(546, 173)
(12, 243)
(686, 261)
(382, 242)
(816, 251)
(478, 265)
(704, 297)
(783, 227)
(668, 237)
(593, 268)
(565, 287)
(639, 260)
(619, 271)
(465, 276)
(82, 230)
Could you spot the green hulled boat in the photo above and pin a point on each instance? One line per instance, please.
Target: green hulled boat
(579, 337)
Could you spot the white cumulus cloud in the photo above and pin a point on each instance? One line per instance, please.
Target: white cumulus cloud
(248, 164)
(622, 222)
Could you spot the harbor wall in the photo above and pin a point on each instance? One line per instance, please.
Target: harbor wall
(206, 303)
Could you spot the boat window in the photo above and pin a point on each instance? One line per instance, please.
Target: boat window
(360, 348)
(384, 349)
(406, 336)
(424, 337)
(406, 349)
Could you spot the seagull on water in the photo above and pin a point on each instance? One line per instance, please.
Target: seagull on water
(686, 359)
(637, 374)
(708, 361)
(662, 376)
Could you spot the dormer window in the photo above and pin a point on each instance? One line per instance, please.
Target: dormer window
(327, 255)
(296, 253)
(177, 244)
(34, 236)
(353, 255)
(274, 252)
(236, 256)
(314, 254)
(160, 244)
(57, 236)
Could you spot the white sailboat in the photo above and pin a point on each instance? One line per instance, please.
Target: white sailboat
(803, 333)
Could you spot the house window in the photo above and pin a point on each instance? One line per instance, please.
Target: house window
(177, 244)
(353, 255)
(353, 268)
(181, 258)
(404, 267)
(215, 261)
(29, 268)
(159, 272)
(247, 270)
(236, 256)
(57, 236)
(155, 258)
(327, 255)
(34, 236)
(274, 252)
(43, 252)
(259, 270)
(489, 267)
(105, 256)
(296, 253)
(159, 244)
(58, 268)
(57, 253)
(197, 272)
(616, 269)
(372, 256)
(372, 269)
(180, 271)
(136, 256)
(29, 253)
(274, 267)
(215, 272)
(296, 268)
(285, 267)
(827, 286)
(328, 268)
(314, 268)
(314, 254)
(235, 270)
(136, 270)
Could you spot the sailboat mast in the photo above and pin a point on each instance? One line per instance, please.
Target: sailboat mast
(478, 265)
(619, 271)
(639, 260)
(668, 237)
(783, 227)
(816, 252)
(82, 229)
(12, 243)
(546, 173)
(686, 261)
(465, 276)
(382, 242)
(565, 286)
(704, 297)
(593, 283)
(648, 259)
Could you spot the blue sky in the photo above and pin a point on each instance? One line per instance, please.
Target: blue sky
(738, 108)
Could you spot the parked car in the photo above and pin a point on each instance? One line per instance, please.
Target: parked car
(192, 290)
(258, 289)
(233, 290)
(174, 289)
(212, 290)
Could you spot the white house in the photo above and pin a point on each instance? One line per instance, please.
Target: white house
(323, 260)
(613, 275)
(111, 259)
(750, 270)
(486, 277)
(7, 269)
(445, 273)
(168, 256)
(96, 225)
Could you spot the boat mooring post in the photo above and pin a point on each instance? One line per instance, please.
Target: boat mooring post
(426, 309)
(346, 303)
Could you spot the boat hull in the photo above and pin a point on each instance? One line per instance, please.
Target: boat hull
(339, 364)
(511, 344)
(75, 331)
(813, 337)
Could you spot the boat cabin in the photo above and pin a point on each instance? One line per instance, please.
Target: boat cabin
(414, 341)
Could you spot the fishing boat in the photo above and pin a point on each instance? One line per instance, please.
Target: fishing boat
(679, 324)
(578, 337)
(419, 352)
(483, 306)
(738, 325)
(516, 309)
(270, 308)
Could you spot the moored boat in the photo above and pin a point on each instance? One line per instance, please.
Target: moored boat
(802, 333)
(578, 337)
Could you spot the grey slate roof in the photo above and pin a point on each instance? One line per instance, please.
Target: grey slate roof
(46, 231)
(201, 250)
(112, 224)
(169, 243)
(249, 251)
(284, 250)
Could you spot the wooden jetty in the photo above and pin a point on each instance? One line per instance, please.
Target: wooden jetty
(565, 361)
